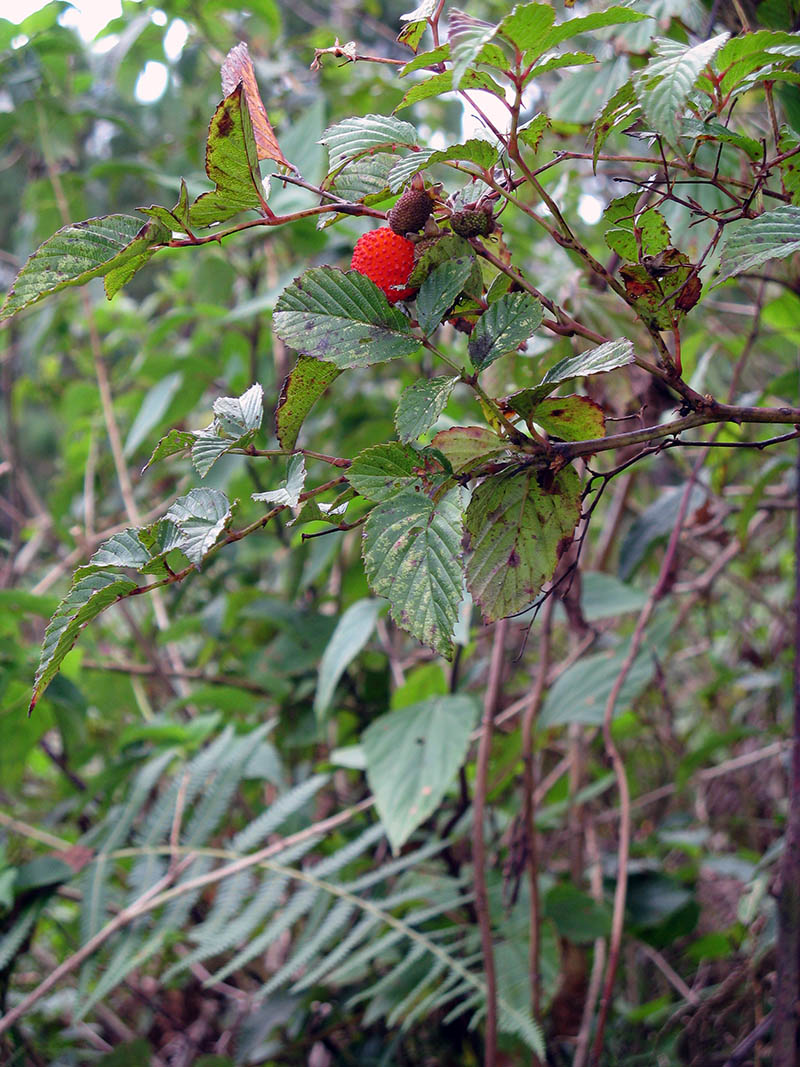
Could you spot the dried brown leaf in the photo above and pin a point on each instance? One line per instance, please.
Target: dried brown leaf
(238, 67)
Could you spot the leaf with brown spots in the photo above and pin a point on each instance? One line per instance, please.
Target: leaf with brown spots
(572, 418)
(514, 530)
(238, 67)
(232, 164)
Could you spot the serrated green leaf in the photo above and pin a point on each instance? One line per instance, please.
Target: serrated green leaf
(625, 225)
(621, 110)
(81, 251)
(404, 169)
(303, 387)
(200, 517)
(532, 132)
(85, 600)
(383, 471)
(289, 492)
(466, 35)
(715, 131)
(515, 531)
(749, 44)
(366, 179)
(790, 168)
(438, 84)
(475, 150)
(238, 415)
(466, 446)
(352, 632)
(612, 16)
(445, 250)
(175, 441)
(123, 549)
(412, 757)
(567, 59)
(751, 242)
(231, 164)
(341, 318)
(572, 418)
(529, 28)
(412, 33)
(505, 325)
(421, 405)
(207, 449)
(605, 357)
(663, 87)
(353, 136)
(438, 292)
(426, 59)
(411, 552)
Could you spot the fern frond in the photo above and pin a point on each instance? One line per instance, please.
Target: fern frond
(278, 812)
(337, 918)
(297, 907)
(14, 938)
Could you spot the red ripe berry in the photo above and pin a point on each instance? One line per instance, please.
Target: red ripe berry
(388, 259)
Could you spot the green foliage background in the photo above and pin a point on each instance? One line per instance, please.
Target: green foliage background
(272, 691)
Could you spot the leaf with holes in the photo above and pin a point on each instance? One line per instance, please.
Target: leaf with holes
(503, 327)
(90, 595)
(411, 552)
(516, 528)
(232, 164)
(303, 387)
(81, 251)
(633, 235)
(341, 318)
(413, 755)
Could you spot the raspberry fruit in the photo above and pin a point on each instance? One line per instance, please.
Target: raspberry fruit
(411, 211)
(472, 223)
(387, 259)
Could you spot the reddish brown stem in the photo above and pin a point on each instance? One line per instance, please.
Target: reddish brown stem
(478, 840)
